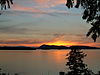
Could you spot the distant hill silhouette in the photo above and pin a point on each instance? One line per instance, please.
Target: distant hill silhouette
(64, 47)
(17, 48)
(52, 47)
(45, 47)
(83, 47)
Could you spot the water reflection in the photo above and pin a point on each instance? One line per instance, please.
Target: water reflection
(42, 62)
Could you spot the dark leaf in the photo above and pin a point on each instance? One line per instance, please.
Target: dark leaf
(85, 14)
(78, 3)
(90, 31)
(94, 37)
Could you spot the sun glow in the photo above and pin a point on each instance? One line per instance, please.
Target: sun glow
(59, 43)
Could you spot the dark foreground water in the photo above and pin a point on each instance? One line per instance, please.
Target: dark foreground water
(42, 62)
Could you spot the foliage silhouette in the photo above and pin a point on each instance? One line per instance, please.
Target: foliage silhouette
(76, 64)
(91, 14)
(5, 73)
(5, 4)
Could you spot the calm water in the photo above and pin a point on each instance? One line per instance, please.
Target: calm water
(42, 62)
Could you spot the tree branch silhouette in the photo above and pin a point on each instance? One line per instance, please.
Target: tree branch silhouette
(91, 14)
(5, 4)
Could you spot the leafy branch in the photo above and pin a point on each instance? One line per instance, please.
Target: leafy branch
(91, 14)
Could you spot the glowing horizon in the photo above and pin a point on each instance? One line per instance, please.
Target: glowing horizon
(38, 22)
(57, 43)
(62, 43)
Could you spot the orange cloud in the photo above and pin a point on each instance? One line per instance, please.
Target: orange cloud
(58, 40)
(64, 43)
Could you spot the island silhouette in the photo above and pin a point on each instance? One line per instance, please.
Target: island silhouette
(45, 47)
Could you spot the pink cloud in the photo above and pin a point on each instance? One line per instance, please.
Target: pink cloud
(28, 10)
(35, 7)
(49, 3)
(40, 3)
(24, 8)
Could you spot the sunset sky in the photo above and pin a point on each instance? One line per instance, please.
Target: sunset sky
(37, 22)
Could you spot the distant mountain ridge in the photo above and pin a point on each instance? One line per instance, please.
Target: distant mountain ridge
(45, 47)
(17, 48)
(65, 47)
(84, 47)
(52, 47)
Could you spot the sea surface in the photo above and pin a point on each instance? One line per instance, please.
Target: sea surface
(42, 62)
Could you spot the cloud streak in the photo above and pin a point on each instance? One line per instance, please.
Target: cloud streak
(58, 39)
(49, 3)
(42, 7)
(41, 42)
(46, 15)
